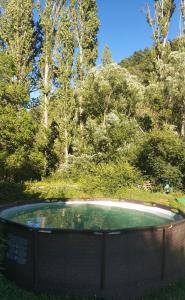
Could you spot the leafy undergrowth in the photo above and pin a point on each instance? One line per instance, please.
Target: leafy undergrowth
(72, 189)
(68, 188)
(9, 291)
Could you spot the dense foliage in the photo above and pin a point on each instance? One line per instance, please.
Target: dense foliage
(162, 158)
(114, 125)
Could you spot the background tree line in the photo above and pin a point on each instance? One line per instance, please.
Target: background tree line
(62, 114)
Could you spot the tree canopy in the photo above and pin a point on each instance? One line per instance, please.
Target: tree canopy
(60, 111)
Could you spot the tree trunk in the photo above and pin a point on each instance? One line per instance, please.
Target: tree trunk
(81, 81)
(80, 112)
(66, 146)
(46, 97)
(183, 127)
(46, 110)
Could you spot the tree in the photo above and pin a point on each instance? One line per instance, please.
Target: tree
(161, 157)
(175, 73)
(141, 64)
(107, 57)
(112, 88)
(63, 105)
(160, 24)
(19, 156)
(18, 35)
(11, 91)
(20, 159)
(114, 141)
(86, 26)
(157, 91)
(182, 18)
(49, 21)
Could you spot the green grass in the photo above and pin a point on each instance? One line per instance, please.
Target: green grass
(67, 188)
(9, 291)
(71, 189)
(11, 192)
(175, 291)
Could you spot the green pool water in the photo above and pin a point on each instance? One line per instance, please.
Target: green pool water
(85, 217)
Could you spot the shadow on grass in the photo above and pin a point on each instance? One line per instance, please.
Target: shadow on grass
(11, 192)
(9, 290)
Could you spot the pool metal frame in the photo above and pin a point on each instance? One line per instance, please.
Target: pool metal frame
(111, 264)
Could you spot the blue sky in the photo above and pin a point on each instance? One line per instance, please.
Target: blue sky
(124, 28)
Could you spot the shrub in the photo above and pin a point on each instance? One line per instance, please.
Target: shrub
(162, 158)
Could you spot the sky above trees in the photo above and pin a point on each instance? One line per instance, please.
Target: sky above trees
(124, 27)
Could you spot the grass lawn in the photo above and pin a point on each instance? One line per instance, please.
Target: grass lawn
(69, 189)
(12, 192)
(8, 291)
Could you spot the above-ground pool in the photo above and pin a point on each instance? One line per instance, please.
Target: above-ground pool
(92, 215)
(111, 249)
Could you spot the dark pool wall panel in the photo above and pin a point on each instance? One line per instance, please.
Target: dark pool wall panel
(175, 251)
(19, 259)
(133, 258)
(68, 263)
(134, 264)
(113, 265)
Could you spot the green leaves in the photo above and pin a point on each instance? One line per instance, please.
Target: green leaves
(162, 156)
(112, 88)
(160, 22)
(107, 57)
(86, 26)
(17, 33)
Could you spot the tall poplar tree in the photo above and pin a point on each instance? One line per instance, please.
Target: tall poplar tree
(17, 34)
(63, 105)
(107, 57)
(160, 101)
(163, 11)
(178, 80)
(49, 14)
(86, 26)
(182, 18)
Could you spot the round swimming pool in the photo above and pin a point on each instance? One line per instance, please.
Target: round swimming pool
(111, 249)
(92, 215)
